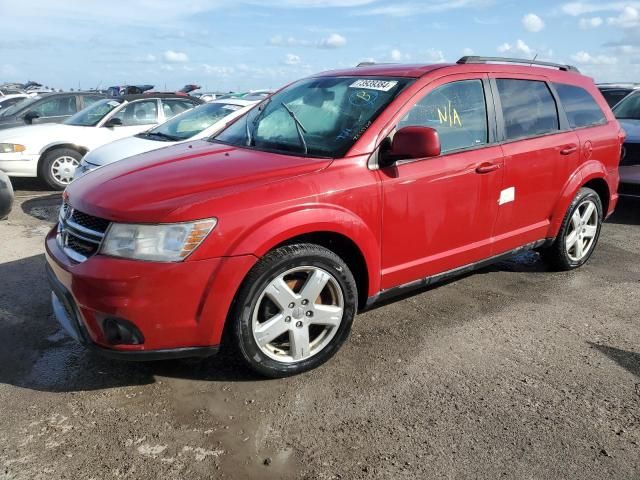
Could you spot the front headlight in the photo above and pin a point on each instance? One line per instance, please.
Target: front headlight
(11, 148)
(171, 242)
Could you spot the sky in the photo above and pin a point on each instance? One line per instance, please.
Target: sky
(250, 44)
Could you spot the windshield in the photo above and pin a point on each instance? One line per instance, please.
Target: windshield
(192, 122)
(318, 117)
(19, 106)
(91, 116)
(629, 108)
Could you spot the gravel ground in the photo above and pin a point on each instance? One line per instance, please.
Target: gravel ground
(511, 372)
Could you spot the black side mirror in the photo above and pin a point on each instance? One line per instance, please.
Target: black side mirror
(113, 122)
(30, 116)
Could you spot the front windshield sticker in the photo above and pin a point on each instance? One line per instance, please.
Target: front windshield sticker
(113, 103)
(382, 85)
(363, 98)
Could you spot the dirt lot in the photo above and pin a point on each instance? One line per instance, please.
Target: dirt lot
(512, 372)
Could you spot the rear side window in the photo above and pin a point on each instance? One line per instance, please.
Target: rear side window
(457, 111)
(580, 107)
(528, 108)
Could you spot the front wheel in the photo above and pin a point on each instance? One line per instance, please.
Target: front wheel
(294, 310)
(58, 167)
(578, 233)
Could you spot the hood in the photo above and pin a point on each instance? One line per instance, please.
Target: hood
(42, 133)
(632, 129)
(123, 148)
(182, 182)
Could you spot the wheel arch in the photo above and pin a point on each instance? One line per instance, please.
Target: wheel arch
(592, 175)
(72, 146)
(335, 229)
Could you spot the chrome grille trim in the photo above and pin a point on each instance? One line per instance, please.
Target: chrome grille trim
(71, 234)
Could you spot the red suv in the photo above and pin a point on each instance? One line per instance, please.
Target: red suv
(335, 192)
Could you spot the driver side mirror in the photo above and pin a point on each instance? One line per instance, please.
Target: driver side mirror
(411, 143)
(30, 116)
(113, 122)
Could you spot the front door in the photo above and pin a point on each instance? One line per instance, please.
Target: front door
(439, 213)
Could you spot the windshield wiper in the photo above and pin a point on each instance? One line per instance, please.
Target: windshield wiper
(299, 127)
(165, 136)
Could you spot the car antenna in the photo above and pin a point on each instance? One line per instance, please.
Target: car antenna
(534, 59)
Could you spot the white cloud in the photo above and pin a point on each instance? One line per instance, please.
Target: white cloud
(586, 23)
(420, 8)
(282, 41)
(468, 51)
(175, 57)
(292, 59)
(588, 59)
(396, 55)
(221, 71)
(628, 18)
(335, 40)
(532, 23)
(576, 9)
(519, 47)
(435, 56)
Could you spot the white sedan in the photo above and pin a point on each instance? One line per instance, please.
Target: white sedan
(53, 151)
(201, 122)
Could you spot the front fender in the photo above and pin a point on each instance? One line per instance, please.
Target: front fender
(314, 219)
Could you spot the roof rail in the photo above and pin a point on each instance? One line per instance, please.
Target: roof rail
(522, 61)
(369, 64)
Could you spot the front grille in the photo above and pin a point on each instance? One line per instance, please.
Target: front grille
(80, 234)
(631, 154)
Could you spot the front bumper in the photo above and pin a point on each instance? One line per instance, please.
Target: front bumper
(19, 164)
(180, 308)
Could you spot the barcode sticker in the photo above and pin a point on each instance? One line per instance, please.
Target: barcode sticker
(382, 85)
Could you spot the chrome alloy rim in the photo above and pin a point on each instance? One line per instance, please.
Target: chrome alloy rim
(63, 169)
(297, 314)
(583, 228)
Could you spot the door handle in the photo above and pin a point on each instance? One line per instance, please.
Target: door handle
(487, 167)
(569, 150)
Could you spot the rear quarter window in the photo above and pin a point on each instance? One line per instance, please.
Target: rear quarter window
(581, 108)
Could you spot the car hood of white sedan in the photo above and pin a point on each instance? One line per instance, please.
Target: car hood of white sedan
(123, 148)
(34, 136)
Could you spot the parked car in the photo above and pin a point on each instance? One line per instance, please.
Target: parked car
(52, 152)
(6, 195)
(120, 90)
(338, 191)
(7, 101)
(628, 114)
(615, 92)
(200, 122)
(46, 108)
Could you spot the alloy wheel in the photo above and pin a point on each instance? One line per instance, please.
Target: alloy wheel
(583, 228)
(297, 314)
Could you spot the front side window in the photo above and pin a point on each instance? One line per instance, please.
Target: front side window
(580, 107)
(91, 115)
(457, 111)
(143, 112)
(193, 122)
(629, 108)
(319, 117)
(56, 107)
(528, 108)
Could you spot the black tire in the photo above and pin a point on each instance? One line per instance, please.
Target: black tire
(557, 255)
(276, 263)
(6, 195)
(44, 168)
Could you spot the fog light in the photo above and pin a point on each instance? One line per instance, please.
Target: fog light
(118, 331)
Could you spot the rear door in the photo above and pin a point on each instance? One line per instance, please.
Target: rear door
(539, 154)
(438, 213)
(55, 109)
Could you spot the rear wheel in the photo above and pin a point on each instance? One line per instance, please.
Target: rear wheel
(294, 310)
(58, 167)
(579, 232)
